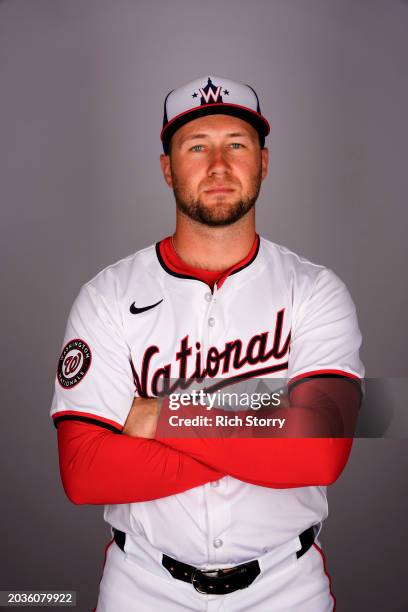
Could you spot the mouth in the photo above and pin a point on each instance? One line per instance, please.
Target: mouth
(219, 190)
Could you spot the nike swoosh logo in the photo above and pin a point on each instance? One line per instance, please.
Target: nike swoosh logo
(135, 310)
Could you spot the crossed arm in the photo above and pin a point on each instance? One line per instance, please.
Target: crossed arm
(101, 467)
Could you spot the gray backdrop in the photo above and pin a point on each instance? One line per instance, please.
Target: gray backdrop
(82, 89)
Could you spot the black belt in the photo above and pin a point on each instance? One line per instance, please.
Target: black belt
(218, 581)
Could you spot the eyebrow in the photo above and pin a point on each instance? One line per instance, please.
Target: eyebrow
(200, 136)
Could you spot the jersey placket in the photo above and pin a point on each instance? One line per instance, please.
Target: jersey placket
(216, 494)
(209, 324)
(219, 519)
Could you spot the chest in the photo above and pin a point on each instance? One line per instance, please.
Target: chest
(191, 332)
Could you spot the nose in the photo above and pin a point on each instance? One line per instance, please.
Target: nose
(218, 163)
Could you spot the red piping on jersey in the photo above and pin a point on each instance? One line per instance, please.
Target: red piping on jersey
(104, 562)
(327, 573)
(95, 417)
(105, 553)
(317, 372)
(174, 264)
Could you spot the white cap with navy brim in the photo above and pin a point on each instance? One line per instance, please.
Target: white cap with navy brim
(207, 96)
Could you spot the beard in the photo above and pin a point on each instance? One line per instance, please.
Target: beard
(218, 214)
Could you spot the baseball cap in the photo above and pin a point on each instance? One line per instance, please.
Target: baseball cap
(211, 95)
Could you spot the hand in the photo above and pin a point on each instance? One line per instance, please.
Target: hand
(142, 418)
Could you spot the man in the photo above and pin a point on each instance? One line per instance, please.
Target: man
(199, 522)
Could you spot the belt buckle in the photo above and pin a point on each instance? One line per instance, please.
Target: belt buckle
(195, 581)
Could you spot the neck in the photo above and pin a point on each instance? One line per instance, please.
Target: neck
(213, 248)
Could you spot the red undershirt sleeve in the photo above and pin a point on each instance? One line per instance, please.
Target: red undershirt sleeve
(98, 466)
(292, 458)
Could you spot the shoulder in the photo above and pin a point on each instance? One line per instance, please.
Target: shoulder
(288, 259)
(110, 292)
(115, 279)
(305, 280)
(296, 271)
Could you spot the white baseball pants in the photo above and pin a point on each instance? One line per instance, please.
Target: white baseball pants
(289, 585)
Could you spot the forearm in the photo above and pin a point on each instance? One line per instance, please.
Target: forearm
(101, 467)
(305, 452)
(271, 462)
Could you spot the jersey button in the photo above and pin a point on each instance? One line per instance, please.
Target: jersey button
(218, 543)
(208, 296)
(211, 321)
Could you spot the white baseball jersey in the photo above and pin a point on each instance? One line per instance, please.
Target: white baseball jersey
(138, 322)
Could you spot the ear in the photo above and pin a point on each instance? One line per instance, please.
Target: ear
(264, 161)
(165, 166)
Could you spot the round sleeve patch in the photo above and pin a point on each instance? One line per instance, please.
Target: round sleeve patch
(73, 363)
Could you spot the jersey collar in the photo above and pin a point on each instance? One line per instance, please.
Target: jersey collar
(174, 265)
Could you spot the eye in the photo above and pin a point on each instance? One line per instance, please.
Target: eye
(236, 145)
(196, 148)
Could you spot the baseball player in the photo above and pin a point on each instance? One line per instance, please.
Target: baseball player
(229, 523)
